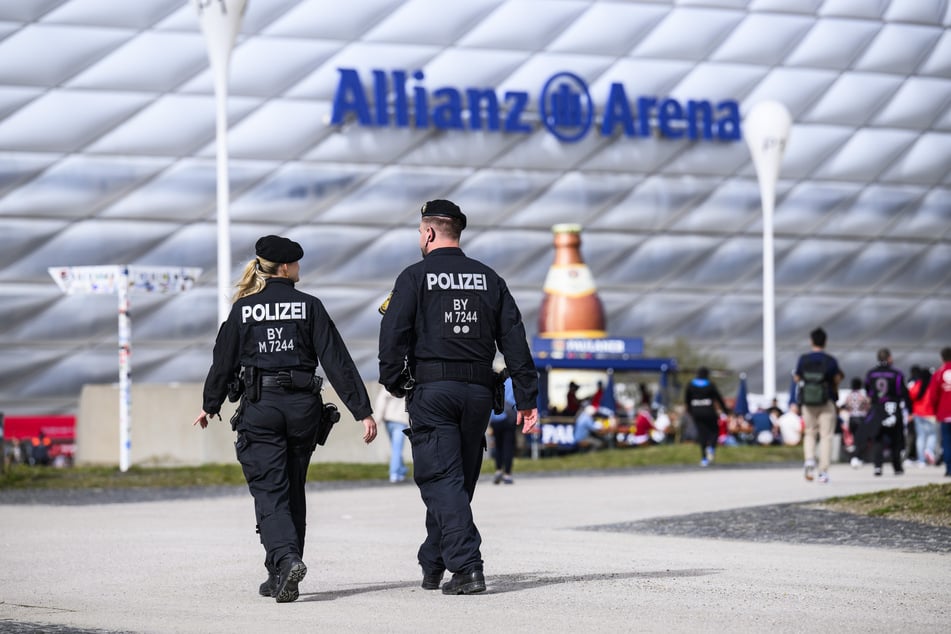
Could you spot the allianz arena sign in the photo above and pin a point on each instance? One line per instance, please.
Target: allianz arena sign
(565, 108)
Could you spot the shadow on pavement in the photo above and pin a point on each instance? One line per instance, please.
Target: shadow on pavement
(499, 584)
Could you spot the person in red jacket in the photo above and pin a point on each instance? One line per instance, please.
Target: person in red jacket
(939, 394)
(926, 429)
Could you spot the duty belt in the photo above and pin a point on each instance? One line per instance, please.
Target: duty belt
(450, 371)
(269, 378)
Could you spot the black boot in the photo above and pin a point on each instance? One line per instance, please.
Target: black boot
(268, 587)
(292, 571)
(465, 583)
(431, 580)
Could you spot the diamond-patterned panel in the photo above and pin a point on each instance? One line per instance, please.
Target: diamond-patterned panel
(107, 156)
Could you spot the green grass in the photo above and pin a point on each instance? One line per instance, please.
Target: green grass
(657, 455)
(930, 504)
(88, 477)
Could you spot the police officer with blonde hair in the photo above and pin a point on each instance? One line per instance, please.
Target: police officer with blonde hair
(268, 351)
(441, 327)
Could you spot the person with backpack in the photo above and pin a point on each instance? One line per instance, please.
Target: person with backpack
(885, 386)
(817, 378)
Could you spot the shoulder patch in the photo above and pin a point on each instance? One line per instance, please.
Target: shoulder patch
(385, 304)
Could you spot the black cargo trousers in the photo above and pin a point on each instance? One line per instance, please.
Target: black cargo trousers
(448, 420)
(276, 439)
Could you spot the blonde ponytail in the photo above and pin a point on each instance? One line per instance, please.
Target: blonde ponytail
(254, 277)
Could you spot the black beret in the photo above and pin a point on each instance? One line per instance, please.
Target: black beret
(444, 208)
(278, 249)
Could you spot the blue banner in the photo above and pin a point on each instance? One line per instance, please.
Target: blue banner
(601, 348)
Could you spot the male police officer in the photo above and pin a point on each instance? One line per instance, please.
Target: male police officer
(276, 336)
(441, 326)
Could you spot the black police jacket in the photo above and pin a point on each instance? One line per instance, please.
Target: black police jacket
(451, 308)
(282, 328)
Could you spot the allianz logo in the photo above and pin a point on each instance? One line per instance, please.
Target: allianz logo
(565, 108)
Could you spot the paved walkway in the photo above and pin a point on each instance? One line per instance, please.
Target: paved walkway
(680, 550)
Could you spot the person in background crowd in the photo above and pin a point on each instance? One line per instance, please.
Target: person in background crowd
(791, 426)
(885, 386)
(926, 431)
(503, 433)
(644, 394)
(573, 403)
(939, 396)
(644, 431)
(598, 395)
(392, 411)
(588, 429)
(765, 427)
(40, 452)
(775, 409)
(739, 430)
(817, 377)
(702, 399)
(730, 428)
(857, 405)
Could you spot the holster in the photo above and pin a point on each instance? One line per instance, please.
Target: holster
(252, 383)
(236, 417)
(498, 391)
(297, 381)
(235, 388)
(329, 416)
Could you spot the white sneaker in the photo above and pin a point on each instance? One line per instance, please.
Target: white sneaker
(710, 454)
(823, 477)
(856, 462)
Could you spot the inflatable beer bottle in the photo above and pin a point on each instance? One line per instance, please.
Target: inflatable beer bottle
(571, 308)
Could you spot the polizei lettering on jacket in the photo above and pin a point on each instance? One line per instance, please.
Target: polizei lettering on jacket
(456, 281)
(273, 312)
(565, 108)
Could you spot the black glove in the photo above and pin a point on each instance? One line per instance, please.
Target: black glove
(396, 390)
(295, 381)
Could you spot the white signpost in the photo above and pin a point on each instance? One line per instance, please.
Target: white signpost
(766, 129)
(121, 281)
(220, 22)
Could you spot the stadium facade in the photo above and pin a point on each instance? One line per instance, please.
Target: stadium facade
(623, 116)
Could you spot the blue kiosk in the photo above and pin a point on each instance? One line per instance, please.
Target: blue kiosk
(608, 354)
